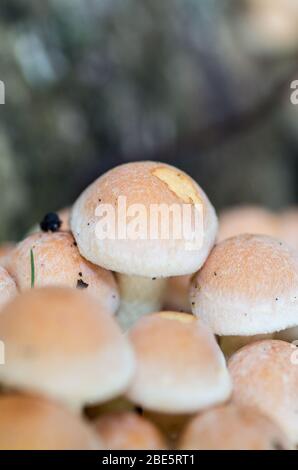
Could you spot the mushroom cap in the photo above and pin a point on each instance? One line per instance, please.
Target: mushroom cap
(180, 368)
(232, 427)
(8, 288)
(246, 219)
(128, 431)
(265, 375)
(34, 423)
(149, 185)
(60, 343)
(248, 286)
(57, 262)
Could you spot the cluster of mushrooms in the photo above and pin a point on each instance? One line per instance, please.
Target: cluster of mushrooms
(142, 344)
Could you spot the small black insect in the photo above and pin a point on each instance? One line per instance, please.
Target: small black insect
(51, 222)
(81, 284)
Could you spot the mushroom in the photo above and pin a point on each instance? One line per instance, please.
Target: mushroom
(246, 219)
(34, 423)
(140, 246)
(8, 288)
(61, 344)
(265, 375)
(53, 259)
(128, 431)
(247, 287)
(177, 294)
(232, 427)
(180, 368)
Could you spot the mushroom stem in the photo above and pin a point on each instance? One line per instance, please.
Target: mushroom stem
(139, 296)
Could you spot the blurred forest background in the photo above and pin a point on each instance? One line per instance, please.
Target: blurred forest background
(202, 84)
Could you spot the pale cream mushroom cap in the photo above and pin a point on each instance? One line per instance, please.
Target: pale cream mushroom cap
(247, 219)
(128, 431)
(232, 427)
(145, 184)
(180, 368)
(8, 288)
(248, 286)
(57, 262)
(60, 343)
(34, 423)
(265, 375)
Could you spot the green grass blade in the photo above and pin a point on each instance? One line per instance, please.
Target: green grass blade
(32, 268)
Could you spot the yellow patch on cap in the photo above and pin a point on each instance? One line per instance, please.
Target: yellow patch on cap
(179, 184)
(182, 317)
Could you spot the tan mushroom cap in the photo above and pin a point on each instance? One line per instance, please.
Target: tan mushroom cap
(128, 431)
(57, 262)
(248, 286)
(247, 219)
(146, 184)
(60, 343)
(232, 427)
(180, 368)
(265, 375)
(34, 423)
(8, 288)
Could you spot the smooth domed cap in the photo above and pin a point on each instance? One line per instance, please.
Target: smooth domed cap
(146, 184)
(59, 342)
(57, 262)
(248, 286)
(128, 431)
(247, 219)
(232, 427)
(265, 375)
(8, 288)
(180, 368)
(34, 423)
